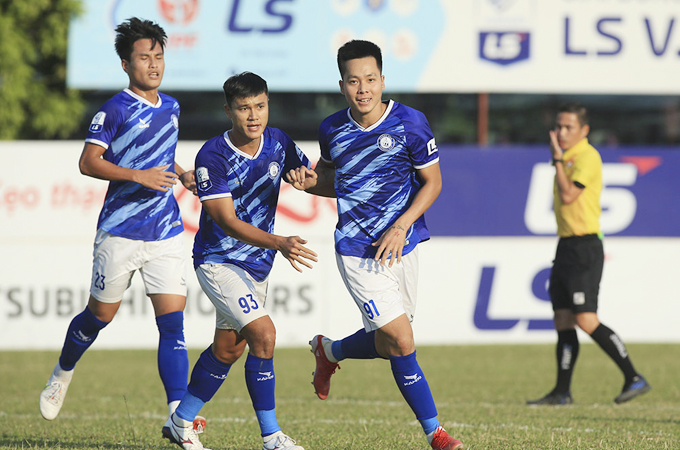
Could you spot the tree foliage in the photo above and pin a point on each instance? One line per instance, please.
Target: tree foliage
(34, 100)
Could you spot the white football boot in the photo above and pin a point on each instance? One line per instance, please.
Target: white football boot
(279, 441)
(182, 433)
(53, 394)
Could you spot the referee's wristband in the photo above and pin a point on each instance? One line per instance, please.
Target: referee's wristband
(555, 161)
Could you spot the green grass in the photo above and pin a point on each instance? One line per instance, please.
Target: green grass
(116, 402)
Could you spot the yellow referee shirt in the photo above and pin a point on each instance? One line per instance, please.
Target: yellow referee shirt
(583, 166)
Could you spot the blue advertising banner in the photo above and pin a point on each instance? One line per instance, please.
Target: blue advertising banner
(507, 191)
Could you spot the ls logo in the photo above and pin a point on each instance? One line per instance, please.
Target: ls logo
(482, 319)
(272, 21)
(619, 204)
(504, 48)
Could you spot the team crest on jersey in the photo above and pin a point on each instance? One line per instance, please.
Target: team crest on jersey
(175, 121)
(386, 142)
(274, 169)
(97, 122)
(202, 179)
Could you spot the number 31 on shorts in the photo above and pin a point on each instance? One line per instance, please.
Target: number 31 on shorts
(371, 310)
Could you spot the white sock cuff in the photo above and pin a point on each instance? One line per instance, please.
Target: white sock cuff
(271, 436)
(62, 374)
(328, 350)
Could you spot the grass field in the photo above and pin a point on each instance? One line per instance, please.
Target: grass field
(116, 402)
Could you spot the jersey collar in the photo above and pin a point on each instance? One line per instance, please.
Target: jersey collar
(375, 125)
(143, 100)
(239, 152)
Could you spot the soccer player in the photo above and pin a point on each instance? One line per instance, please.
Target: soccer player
(238, 177)
(131, 142)
(381, 162)
(577, 268)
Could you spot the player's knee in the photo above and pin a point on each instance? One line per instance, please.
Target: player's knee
(261, 337)
(228, 355)
(588, 322)
(400, 346)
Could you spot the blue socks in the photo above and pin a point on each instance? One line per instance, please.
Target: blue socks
(413, 386)
(173, 360)
(81, 333)
(360, 345)
(405, 369)
(261, 382)
(208, 375)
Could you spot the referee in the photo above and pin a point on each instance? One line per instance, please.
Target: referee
(577, 268)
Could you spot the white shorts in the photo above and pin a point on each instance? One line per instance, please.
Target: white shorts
(382, 293)
(161, 263)
(238, 298)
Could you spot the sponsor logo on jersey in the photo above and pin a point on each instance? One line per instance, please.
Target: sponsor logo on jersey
(431, 147)
(144, 124)
(504, 47)
(274, 169)
(202, 178)
(97, 122)
(386, 142)
(175, 121)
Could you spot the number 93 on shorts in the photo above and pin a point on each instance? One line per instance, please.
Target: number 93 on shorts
(238, 298)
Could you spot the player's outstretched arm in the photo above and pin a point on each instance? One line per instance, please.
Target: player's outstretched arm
(92, 164)
(222, 211)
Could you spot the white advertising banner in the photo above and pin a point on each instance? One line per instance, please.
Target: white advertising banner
(471, 289)
(537, 46)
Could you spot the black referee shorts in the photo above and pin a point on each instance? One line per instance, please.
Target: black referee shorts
(576, 273)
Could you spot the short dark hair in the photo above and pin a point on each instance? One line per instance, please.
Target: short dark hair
(243, 85)
(575, 108)
(134, 29)
(356, 49)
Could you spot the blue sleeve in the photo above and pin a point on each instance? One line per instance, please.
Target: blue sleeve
(420, 140)
(211, 176)
(105, 125)
(323, 142)
(294, 156)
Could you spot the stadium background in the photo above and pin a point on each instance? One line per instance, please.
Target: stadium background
(487, 73)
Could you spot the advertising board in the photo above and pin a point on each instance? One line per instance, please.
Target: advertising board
(496, 46)
(483, 275)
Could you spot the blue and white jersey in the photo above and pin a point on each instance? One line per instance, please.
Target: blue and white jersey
(375, 174)
(253, 183)
(138, 135)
